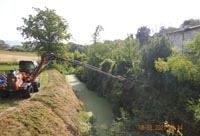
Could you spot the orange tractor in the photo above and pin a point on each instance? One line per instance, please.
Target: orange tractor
(25, 80)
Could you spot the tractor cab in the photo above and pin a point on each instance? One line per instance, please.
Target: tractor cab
(27, 66)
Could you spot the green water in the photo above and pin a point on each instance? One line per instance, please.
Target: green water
(99, 106)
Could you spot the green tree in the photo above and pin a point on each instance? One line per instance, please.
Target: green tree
(184, 66)
(96, 34)
(179, 66)
(45, 31)
(2, 42)
(158, 48)
(190, 22)
(164, 30)
(3, 45)
(143, 35)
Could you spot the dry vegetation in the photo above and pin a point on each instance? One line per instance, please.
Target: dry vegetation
(52, 111)
(8, 57)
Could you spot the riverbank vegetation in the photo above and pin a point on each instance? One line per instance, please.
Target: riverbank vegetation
(164, 84)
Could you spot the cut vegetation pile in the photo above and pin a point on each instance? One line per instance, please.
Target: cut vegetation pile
(52, 111)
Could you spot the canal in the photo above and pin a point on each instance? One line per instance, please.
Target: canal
(99, 106)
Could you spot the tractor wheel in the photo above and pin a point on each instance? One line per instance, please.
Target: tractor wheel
(36, 86)
(28, 92)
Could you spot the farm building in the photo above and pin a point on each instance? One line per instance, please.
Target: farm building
(180, 36)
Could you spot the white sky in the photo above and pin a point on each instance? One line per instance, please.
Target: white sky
(118, 17)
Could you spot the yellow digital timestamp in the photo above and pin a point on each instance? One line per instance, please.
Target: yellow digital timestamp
(158, 127)
(170, 129)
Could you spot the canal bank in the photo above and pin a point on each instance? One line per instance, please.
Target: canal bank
(99, 106)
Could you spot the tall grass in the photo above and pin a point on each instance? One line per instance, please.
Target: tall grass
(43, 79)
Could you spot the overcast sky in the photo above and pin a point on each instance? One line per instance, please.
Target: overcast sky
(118, 17)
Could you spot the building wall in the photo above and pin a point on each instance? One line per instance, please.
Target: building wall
(178, 38)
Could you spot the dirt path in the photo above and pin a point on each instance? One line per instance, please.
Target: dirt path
(5, 57)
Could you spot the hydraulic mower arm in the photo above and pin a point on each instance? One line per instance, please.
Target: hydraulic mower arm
(45, 61)
(120, 78)
(48, 58)
(51, 56)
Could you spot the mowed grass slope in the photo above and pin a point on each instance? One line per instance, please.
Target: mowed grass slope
(52, 111)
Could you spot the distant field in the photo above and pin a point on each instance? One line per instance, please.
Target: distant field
(9, 59)
(8, 65)
(18, 53)
(6, 68)
(17, 56)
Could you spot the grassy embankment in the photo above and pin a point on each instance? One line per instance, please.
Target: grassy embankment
(52, 111)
